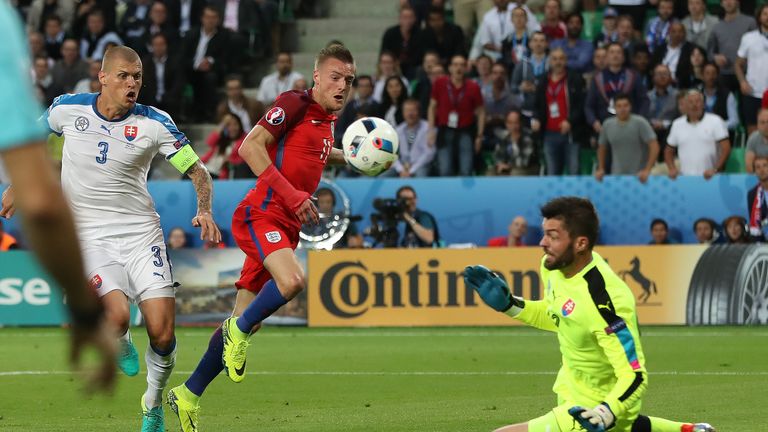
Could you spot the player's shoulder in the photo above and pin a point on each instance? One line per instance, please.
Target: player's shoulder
(291, 105)
(294, 97)
(154, 115)
(74, 99)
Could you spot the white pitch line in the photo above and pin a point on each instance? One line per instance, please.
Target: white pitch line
(415, 373)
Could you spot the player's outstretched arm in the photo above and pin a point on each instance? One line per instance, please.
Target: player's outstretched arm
(49, 229)
(203, 184)
(336, 157)
(254, 153)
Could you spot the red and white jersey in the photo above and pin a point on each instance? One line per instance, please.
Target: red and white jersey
(303, 132)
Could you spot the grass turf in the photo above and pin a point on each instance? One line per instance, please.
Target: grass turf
(441, 379)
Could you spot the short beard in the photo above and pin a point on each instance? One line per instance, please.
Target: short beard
(563, 261)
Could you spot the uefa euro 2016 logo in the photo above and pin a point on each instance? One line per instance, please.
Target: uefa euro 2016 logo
(275, 116)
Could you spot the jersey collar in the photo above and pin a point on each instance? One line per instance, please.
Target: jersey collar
(96, 111)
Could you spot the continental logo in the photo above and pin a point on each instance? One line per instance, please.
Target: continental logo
(349, 289)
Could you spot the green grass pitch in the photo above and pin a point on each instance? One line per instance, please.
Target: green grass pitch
(387, 380)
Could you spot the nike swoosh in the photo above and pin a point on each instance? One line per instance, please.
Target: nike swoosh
(191, 423)
(241, 370)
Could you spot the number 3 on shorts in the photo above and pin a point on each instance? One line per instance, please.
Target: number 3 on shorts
(158, 262)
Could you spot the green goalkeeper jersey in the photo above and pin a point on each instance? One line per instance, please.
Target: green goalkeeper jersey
(594, 315)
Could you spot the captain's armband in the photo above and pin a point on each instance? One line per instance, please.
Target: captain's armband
(183, 159)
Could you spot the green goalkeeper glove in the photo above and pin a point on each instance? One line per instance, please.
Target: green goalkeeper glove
(493, 290)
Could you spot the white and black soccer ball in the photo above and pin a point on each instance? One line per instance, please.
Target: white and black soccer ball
(370, 145)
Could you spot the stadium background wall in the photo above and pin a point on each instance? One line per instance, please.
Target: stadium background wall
(474, 209)
(678, 284)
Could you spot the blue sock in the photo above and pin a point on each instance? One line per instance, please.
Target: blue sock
(210, 365)
(265, 304)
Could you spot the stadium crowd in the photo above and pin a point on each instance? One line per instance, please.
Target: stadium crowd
(661, 87)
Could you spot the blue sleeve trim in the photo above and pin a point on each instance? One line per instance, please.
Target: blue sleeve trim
(151, 113)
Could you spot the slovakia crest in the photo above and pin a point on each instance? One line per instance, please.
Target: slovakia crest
(130, 132)
(275, 116)
(95, 282)
(568, 307)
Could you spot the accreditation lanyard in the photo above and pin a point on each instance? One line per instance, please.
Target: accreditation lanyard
(523, 45)
(456, 101)
(613, 86)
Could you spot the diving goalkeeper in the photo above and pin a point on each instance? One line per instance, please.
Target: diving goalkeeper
(602, 380)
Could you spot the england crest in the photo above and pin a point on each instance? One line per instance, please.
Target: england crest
(130, 132)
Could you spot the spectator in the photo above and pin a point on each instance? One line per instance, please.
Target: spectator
(757, 144)
(717, 99)
(599, 62)
(84, 8)
(660, 233)
(445, 38)
(528, 73)
(96, 37)
(280, 81)
(46, 88)
(163, 77)
(516, 231)
(500, 101)
(222, 159)
(483, 66)
(699, 24)
(496, 25)
(632, 143)
(94, 67)
(515, 151)
(184, 14)
(552, 25)
(39, 10)
(515, 47)
(54, 36)
(415, 154)
(456, 109)
(177, 238)
(402, 41)
(676, 53)
(363, 98)
(641, 62)
(387, 67)
(133, 25)
(422, 90)
(37, 47)
(736, 230)
(326, 206)
(7, 241)
(159, 24)
(205, 57)
(420, 226)
(613, 80)
(633, 9)
(657, 29)
(559, 114)
(247, 109)
(626, 36)
(663, 103)
(609, 32)
(701, 140)
(579, 51)
(300, 85)
(724, 42)
(391, 108)
(70, 69)
(691, 73)
(706, 231)
(751, 66)
(757, 200)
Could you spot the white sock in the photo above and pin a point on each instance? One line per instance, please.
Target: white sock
(159, 369)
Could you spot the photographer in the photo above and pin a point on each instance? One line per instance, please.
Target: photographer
(420, 226)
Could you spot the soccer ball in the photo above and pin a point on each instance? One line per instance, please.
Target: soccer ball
(370, 145)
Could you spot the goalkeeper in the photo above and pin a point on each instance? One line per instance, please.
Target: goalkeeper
(602, 380)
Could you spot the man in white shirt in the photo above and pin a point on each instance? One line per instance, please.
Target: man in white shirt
(701, 140)
(496, 25)
(415, 154)
(753, 56)
(279, 81)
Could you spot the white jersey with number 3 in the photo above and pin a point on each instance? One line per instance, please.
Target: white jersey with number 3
(105, 162)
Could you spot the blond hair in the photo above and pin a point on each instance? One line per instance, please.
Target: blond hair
(119, 52)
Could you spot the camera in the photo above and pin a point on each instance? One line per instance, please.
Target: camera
(383, 230)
